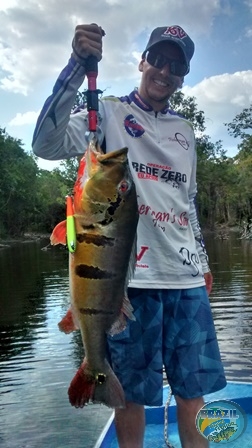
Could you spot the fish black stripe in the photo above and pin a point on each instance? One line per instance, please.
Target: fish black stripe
(114, 206)
(86, 227)
(91, 311)
(97, 240)
(85, 271)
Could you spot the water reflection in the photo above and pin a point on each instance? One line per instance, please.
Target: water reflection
(231, 299)
(37, 362)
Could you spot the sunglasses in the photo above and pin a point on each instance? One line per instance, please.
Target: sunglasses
(176, 67)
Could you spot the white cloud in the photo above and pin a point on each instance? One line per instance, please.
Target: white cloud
(249, 3)
(24, 119)
(35, 44)
(36, 36)
(7, 4)
(221, 98)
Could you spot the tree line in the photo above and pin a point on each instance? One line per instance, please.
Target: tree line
(33, 199)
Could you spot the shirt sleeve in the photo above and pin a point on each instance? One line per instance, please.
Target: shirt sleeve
(193, 216)
(60, 134)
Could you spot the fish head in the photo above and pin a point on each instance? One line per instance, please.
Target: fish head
(111, 179)
(104, 182)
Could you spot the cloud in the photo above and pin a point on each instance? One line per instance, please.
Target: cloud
(24, 119)
(221, 98)
(36, 35)
(7, 4)
(249, 4)
(35, 44)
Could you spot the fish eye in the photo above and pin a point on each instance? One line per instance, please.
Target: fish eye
(123, 186)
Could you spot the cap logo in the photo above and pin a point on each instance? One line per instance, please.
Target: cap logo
(175, 31)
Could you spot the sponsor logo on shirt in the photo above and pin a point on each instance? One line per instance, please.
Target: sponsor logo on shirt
(133, 128)
(181, 140)
(159, 172)
(160, 218)
(140, 255)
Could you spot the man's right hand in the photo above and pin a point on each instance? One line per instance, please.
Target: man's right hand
(87, 41)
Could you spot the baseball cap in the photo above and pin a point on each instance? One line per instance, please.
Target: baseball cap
(174, 34)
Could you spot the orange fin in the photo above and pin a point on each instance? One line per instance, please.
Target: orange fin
(85, 387)
(58, 235)
(67, 324)
(81, 389)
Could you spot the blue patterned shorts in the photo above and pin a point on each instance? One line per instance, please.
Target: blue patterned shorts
(174, 329)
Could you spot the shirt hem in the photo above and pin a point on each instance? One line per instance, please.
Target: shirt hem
(171, 285)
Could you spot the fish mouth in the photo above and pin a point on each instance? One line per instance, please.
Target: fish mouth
(119, 155)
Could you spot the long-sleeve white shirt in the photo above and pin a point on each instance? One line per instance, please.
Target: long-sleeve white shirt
(162, 158)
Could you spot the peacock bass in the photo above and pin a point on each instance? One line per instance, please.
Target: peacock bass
(105, 217)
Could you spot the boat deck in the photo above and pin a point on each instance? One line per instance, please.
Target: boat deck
(154, 437)
(240, 393)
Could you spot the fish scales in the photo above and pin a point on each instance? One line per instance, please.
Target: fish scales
(106, 217)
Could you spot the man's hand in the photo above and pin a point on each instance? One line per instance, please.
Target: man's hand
(209, 281)
(87, 41)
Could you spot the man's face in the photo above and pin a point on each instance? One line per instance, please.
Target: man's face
(157, 85)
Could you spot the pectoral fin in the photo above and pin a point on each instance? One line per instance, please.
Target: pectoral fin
(121, 322)
(58, 235)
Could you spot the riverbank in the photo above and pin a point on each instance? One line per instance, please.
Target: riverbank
(221, 232)
(25, 238)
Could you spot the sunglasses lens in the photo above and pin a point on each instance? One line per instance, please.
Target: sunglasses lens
(177, 68)
(156, 60)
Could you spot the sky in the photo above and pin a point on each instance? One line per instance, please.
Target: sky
(35, 45)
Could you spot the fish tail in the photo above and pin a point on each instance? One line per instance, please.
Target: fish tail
(67, 323)
(102, 388)
(110, 391)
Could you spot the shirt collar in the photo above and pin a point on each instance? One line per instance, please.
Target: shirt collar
(140, 102)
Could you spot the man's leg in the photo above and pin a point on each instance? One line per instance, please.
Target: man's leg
(130, 424)
(187, 410)
(136, 358)
(191, 357)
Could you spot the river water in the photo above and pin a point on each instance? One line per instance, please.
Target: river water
(37, 361)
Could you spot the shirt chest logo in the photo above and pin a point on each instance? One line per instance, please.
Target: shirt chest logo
(133, 128)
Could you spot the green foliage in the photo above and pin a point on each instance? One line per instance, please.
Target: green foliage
(187, 107)
(69, 168)
(80, 99)
(33, 199)
(17, 180)
(241, 123)
(215, 183)
(241, 127)
(51, 190)
(30, 199)
(223, 183)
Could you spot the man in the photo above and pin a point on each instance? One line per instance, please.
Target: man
(174, 325)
